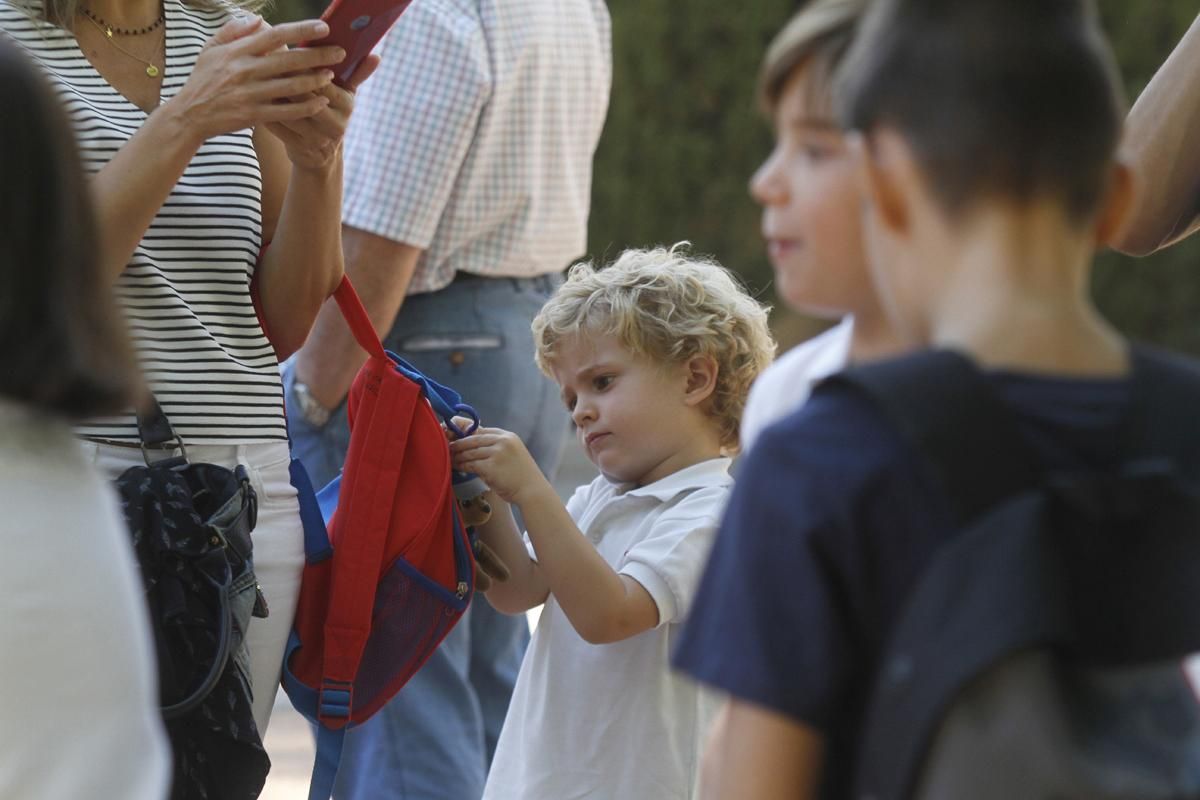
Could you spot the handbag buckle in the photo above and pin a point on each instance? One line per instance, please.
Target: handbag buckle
(171, 461)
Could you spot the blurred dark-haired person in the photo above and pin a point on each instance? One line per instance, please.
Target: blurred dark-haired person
(77, 677)
(206, 136)
(1160, 142)
(986, 145)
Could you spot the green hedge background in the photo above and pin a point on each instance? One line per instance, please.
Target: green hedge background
(683, 137)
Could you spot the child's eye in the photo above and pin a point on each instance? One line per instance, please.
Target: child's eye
(816, 152)
(602, 382)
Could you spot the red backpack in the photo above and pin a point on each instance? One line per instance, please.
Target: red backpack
(388, 568)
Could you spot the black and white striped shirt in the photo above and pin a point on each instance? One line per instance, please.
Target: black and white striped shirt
(186, 290)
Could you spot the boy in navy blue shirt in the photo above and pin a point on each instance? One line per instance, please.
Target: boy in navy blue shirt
(986, 142)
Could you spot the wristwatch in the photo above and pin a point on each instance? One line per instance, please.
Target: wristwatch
(313, 412)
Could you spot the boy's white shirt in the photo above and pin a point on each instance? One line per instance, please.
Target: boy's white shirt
(614, 720)
(785, 385)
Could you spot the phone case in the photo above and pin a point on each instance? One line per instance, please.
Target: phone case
(357, 26)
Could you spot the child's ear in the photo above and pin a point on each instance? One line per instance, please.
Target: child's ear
(701, 379)
(1116, 210)
(881, 166)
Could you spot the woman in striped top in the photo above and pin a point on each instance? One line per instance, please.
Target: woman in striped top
(206, 138)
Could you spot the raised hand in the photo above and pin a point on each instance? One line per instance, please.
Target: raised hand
(501, 459)
(247, 75)
(313, 141)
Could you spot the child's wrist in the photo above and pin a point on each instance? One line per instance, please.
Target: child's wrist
(535, 492)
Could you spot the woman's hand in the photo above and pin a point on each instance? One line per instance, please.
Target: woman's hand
(246, 75)
(313, 142)
(500, 458)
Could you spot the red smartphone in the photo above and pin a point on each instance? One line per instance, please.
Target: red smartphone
(357, 26)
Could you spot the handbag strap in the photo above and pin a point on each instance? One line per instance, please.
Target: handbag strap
(220, 659)
(155, 432)
(154, 429)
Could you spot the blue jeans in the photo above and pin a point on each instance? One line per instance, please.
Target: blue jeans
(435, 739)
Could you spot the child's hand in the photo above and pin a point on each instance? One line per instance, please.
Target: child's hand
(462, 423)
(500, 458)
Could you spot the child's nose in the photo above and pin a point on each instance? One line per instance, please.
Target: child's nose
(583, 412)
(765, 185)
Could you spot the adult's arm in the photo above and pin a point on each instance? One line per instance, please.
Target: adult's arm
(413, 128)
(238, 77)
(302, 161)
(380, 270)
(757, 754)
(1161, 140)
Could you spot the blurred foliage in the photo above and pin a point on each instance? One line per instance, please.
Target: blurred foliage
(683, 136)
(290, 10)
(684, 133)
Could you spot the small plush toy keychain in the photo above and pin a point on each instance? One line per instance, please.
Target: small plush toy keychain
(475, 510)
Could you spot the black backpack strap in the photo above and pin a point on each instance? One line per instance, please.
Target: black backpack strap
(1165, 419)
(947, 410)
(944, 407)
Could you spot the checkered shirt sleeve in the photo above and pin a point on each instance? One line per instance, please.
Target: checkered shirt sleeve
(413, 124)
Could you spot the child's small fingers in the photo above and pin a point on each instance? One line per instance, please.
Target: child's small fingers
(472, 442)
(466, 458)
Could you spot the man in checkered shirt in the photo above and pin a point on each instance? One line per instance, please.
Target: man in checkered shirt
(468, 181)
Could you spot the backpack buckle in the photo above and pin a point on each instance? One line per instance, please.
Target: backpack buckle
(333, 704)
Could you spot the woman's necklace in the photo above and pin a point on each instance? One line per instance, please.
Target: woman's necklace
(109, 30)
(152, 71)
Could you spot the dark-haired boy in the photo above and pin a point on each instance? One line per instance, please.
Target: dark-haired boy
(987, 138)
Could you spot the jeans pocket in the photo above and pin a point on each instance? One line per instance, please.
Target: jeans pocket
(272, 482)
(428, 343)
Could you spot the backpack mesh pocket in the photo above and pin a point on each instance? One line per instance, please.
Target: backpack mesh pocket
(412, 615)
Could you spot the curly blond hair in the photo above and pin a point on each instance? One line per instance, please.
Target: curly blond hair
(669, 307)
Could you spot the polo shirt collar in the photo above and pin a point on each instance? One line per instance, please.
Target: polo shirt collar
(713, 472)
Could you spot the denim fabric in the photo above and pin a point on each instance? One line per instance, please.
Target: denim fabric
(435, 739)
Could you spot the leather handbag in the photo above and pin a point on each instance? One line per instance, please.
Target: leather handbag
(190, 524)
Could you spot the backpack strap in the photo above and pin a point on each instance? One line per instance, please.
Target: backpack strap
(945, 408)
(1166, 396)
(356, 317)
(328, 758)
(446, 402)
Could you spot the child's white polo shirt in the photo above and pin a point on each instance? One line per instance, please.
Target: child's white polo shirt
(785, 385)
(613, 720)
